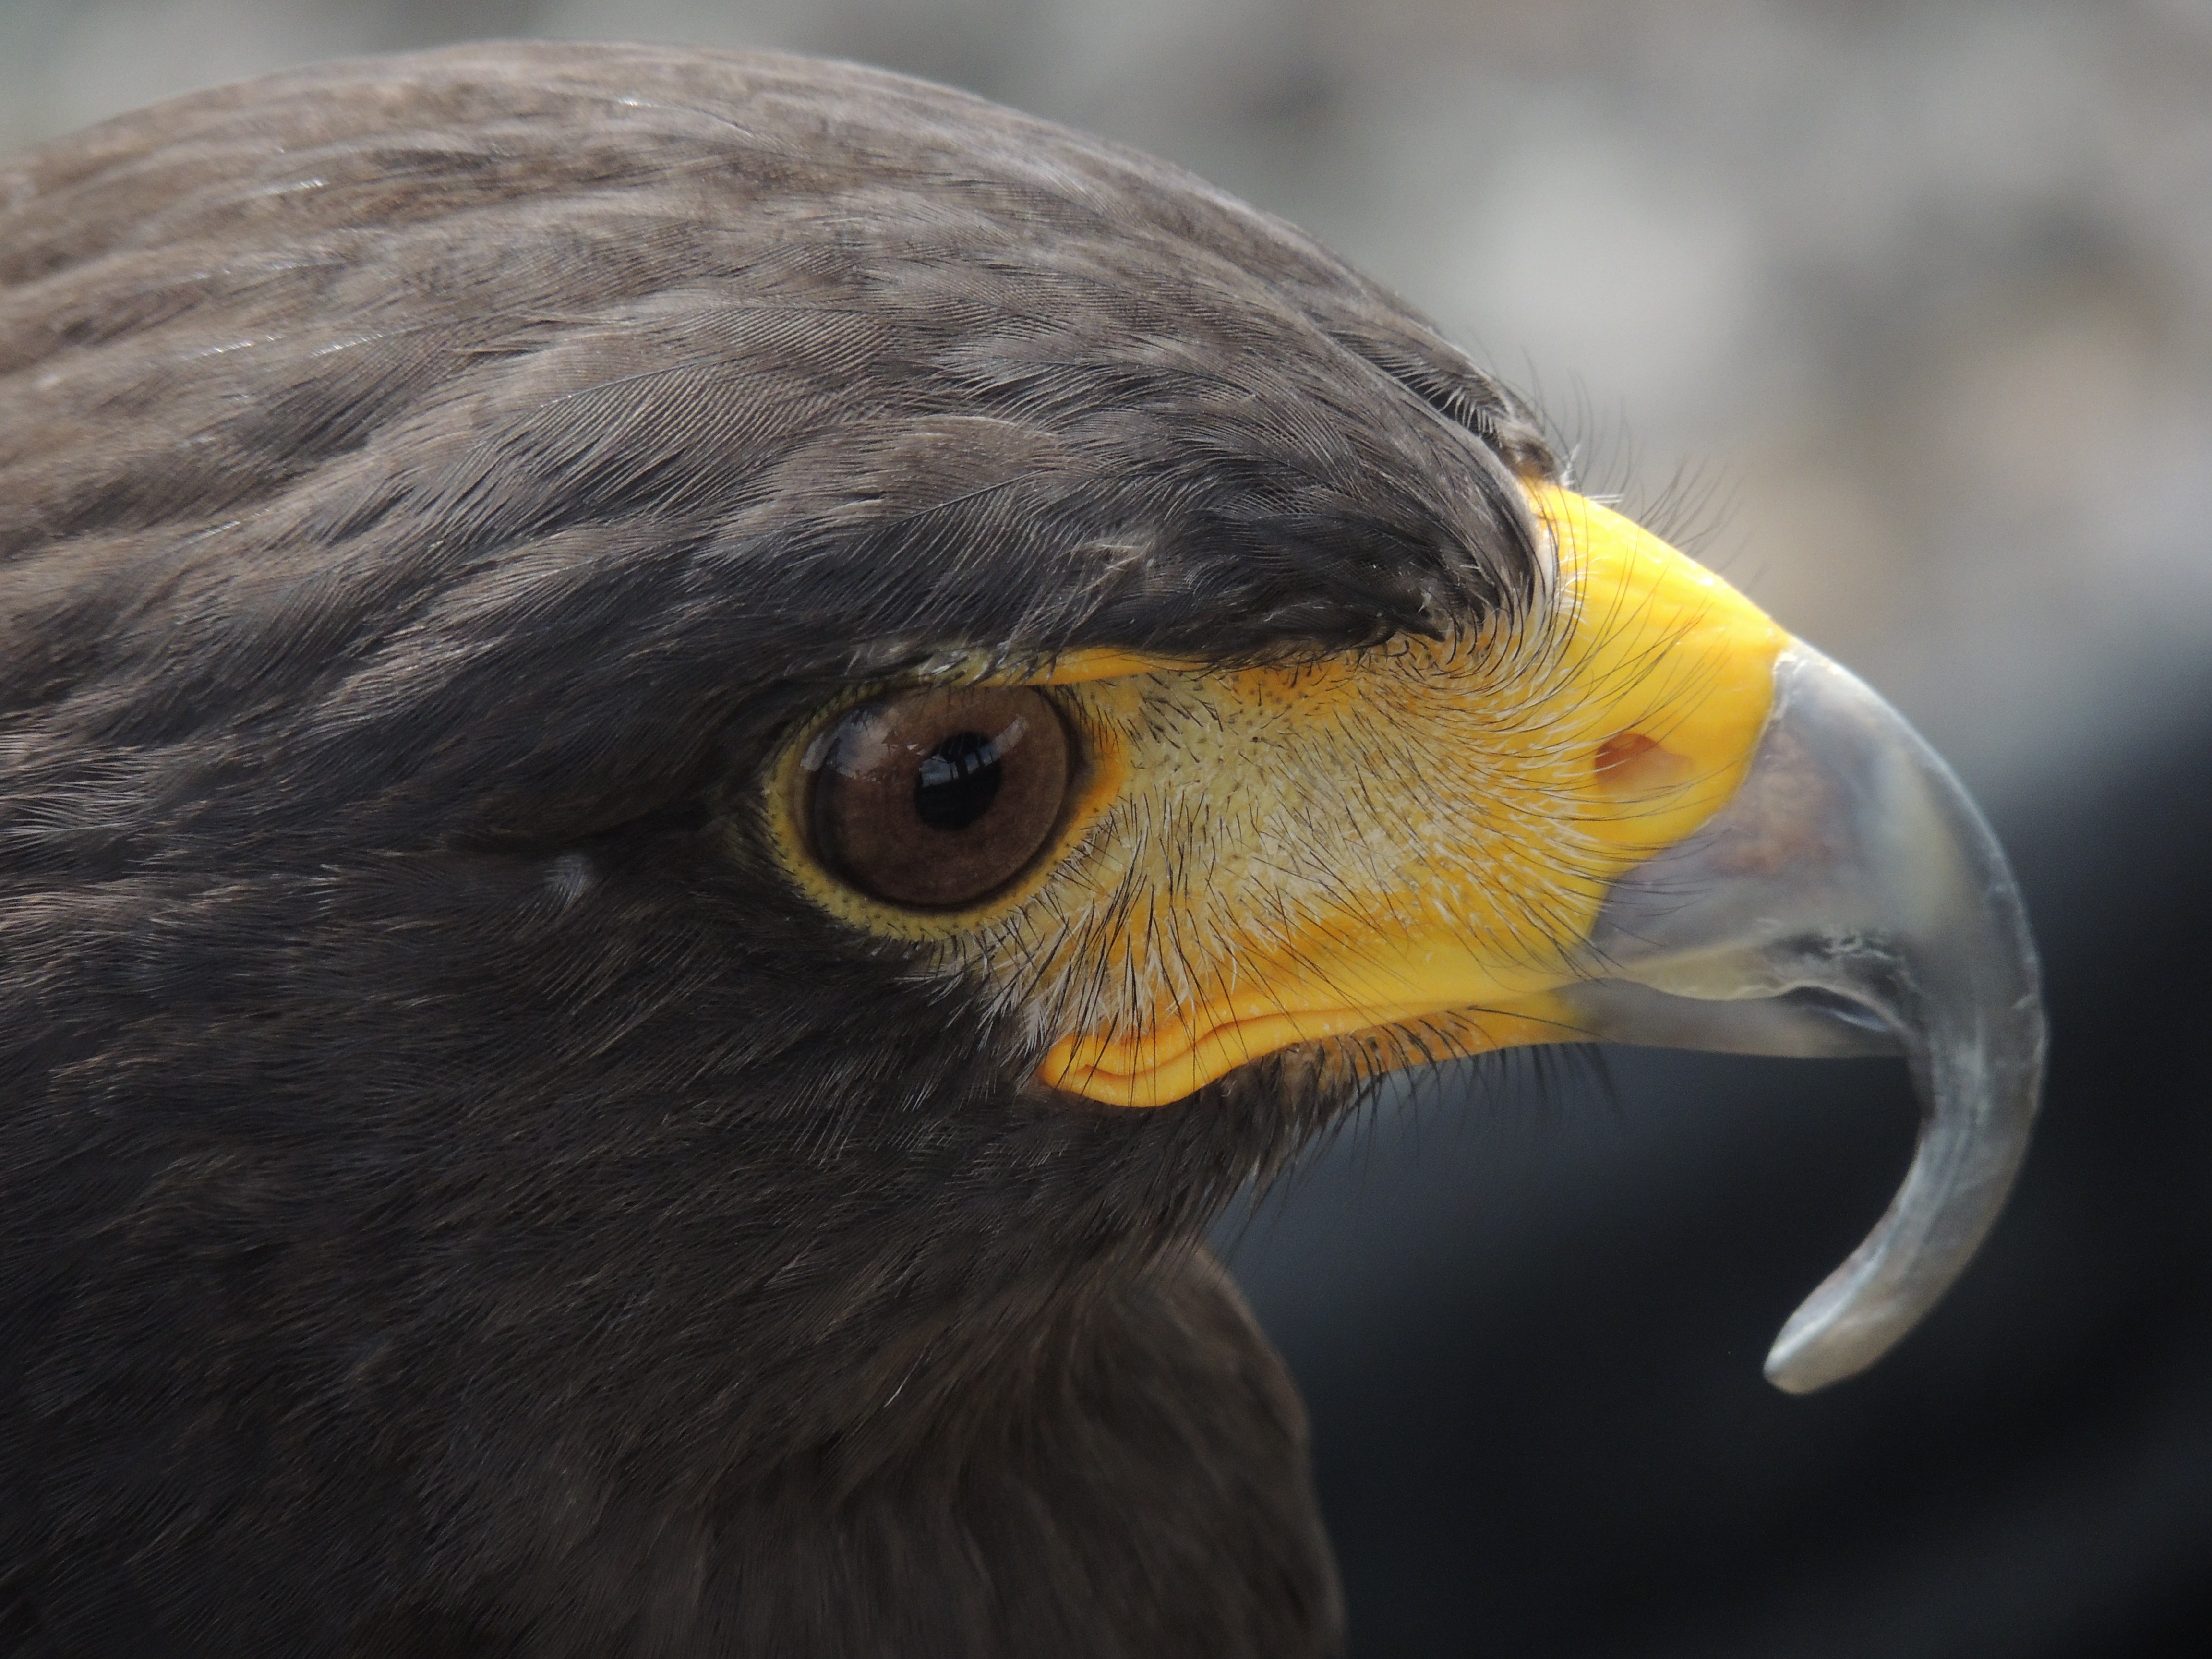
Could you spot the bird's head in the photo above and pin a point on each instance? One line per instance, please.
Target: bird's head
(662, 708)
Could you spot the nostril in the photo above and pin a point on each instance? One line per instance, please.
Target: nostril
(1631, 763)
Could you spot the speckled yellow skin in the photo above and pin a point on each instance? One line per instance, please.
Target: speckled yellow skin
(1413, 840)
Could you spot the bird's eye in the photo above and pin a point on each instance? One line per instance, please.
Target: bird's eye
(935, 799)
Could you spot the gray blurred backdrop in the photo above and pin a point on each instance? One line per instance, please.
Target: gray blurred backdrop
(1901, 315)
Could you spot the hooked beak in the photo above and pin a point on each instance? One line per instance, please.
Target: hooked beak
(1767, 859)
(1850, 900)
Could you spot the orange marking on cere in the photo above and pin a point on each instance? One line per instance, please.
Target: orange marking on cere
(1628, 763)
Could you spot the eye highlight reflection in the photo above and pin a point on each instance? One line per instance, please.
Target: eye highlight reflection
(934, 799)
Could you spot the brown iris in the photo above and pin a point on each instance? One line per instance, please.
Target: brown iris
(937, 799)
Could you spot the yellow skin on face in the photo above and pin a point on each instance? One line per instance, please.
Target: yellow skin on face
(1414, 838)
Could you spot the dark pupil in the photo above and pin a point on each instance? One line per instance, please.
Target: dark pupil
(958, 782)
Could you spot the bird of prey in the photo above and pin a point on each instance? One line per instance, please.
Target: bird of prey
(696, 750)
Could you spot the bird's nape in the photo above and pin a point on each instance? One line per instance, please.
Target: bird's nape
(698, 748)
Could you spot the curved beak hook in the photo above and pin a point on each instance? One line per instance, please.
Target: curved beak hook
(1850, 899)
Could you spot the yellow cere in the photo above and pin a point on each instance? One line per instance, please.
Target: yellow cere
(1409, 842)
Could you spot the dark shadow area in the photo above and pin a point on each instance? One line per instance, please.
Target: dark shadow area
(1528, 1315)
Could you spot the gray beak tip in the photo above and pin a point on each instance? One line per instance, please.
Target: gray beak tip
(1851, 899)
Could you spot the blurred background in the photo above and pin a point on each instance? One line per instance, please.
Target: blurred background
(1901, 315)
